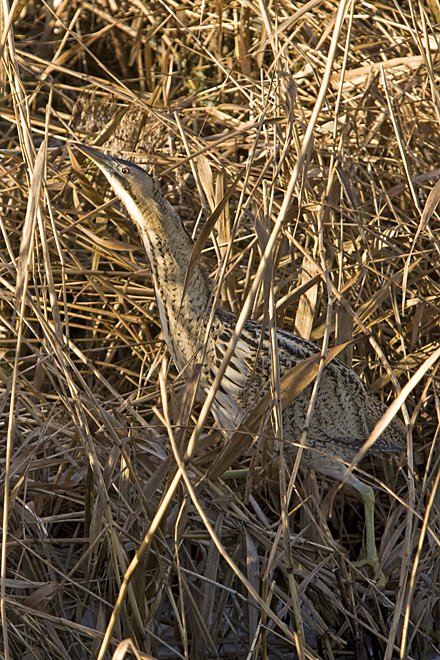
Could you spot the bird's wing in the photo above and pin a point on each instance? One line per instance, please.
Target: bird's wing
(339, 411)
(345, 411)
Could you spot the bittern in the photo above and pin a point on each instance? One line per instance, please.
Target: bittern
(345, 411)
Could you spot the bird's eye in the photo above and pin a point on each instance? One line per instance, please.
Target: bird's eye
(125, 170)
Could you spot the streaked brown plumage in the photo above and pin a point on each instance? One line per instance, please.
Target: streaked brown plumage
(345, 412)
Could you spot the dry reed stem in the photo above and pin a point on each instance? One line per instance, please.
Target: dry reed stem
(217, 100)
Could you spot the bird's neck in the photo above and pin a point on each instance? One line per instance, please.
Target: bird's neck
(182, 310)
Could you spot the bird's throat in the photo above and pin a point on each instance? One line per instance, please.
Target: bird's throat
(182, 311)
(169, 250)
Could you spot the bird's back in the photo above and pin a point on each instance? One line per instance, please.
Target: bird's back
(345, 412)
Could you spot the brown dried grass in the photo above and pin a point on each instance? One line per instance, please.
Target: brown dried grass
(207, 94)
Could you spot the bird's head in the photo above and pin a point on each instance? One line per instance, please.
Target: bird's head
(138, 192)
(120, 173)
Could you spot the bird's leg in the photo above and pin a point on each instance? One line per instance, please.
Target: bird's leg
(372, 559)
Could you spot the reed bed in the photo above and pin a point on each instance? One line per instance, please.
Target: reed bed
(234, 107)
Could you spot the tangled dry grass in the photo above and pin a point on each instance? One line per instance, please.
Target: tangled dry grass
(216, 98)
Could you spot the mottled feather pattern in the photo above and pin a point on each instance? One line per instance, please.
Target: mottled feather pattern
(345, 412)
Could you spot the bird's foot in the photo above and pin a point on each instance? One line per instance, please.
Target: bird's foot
(374, 565)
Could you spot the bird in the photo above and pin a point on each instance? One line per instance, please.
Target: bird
(345, 411)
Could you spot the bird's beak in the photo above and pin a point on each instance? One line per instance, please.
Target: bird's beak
(101, 160)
